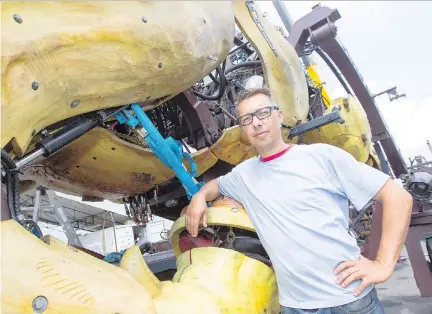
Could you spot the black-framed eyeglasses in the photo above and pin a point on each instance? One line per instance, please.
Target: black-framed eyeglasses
(261, 114)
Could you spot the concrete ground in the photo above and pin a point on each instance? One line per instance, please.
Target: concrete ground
(400, 294)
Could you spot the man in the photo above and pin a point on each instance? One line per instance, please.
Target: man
(297, 199)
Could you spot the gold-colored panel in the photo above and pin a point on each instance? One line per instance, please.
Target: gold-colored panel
(99, 164)
(186, 298)
(90, 55)
(204, 159)
(283, 72)
(231, 148)
(243, 285)
(231, 214)
(353, 136)
(133, 262)
(72, 281)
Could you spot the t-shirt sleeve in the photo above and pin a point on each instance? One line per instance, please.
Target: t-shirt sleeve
(229, 184)
(358, 181)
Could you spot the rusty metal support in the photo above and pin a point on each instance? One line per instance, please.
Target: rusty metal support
(318, 27)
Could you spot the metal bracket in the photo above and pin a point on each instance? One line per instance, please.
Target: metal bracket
(333, 116)
(251, 6)
(63, 220)
(168, 150)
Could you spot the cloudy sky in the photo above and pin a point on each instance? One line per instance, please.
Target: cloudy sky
(388, 42)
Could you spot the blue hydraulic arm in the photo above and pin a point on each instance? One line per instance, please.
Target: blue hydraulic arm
(168, 150)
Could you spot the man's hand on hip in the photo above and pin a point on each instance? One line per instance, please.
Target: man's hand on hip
(370, 272)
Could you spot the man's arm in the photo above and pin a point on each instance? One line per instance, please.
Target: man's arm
(197, 208)
(397, 208)
(360, 183)
(227, 185)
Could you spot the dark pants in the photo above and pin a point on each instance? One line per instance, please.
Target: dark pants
(369, 304)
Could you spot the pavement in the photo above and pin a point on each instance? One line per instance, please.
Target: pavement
(400, 294)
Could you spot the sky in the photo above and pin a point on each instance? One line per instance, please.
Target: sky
(388, 42)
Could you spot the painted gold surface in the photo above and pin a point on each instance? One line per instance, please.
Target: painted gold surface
(283, 72)
(99, 164)
(353, 136)
(244, 285)
(208, 280)
(71, 280)
(102, 54)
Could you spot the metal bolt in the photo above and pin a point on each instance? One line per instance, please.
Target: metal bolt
(144, 19)
(17, 18)
(234, 210)
(40, 304)
(35, 85)
(75, 103)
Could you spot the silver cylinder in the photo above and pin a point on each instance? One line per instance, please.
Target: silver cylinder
(29, 158)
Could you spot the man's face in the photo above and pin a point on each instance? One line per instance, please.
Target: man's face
(261, 133)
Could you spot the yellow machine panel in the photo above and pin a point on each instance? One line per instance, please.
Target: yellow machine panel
(60, 59)
(354, 135)
(99, 164)
(256, 292)
(282, 68)
(62, 279)
(70, 280)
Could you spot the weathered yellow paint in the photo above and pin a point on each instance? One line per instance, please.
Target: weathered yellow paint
(99, 164)
(187, 298)
(231, 148)
(244, 285)
(134, 263)
(102, 54)
(209, 280)
(316, 81)
(71, 280)
(222, 214)
(283, 73)
(353, 136)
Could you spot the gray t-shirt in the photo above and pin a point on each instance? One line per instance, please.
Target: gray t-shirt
(298, 204)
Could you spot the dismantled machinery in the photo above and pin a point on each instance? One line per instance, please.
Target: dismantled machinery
(134, 103)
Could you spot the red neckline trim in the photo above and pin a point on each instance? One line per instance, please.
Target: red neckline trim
(277, 155)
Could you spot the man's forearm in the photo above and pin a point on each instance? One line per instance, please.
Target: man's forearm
(209, 191)
(397, 208)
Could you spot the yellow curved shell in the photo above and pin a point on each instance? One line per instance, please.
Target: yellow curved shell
(99, 164)
(244, 285)
(219, 215)
(187, 298)
(101, 54)
(281, 65)
(353, 136)
(72, 281)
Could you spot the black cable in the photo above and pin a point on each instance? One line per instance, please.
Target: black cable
(241, 65)
(12, 184)
(221, 89)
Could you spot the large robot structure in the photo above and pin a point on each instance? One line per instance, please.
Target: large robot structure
(135, 102)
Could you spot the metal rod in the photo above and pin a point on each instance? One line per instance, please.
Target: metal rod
(429, 145)
(287, 20)
(29, 158)
(114, 229)
(229, 115)
(36, 206)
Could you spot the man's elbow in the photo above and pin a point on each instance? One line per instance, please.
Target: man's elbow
(394, 194)
(406, 199)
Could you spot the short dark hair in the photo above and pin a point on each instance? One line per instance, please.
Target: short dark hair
(249, 93)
